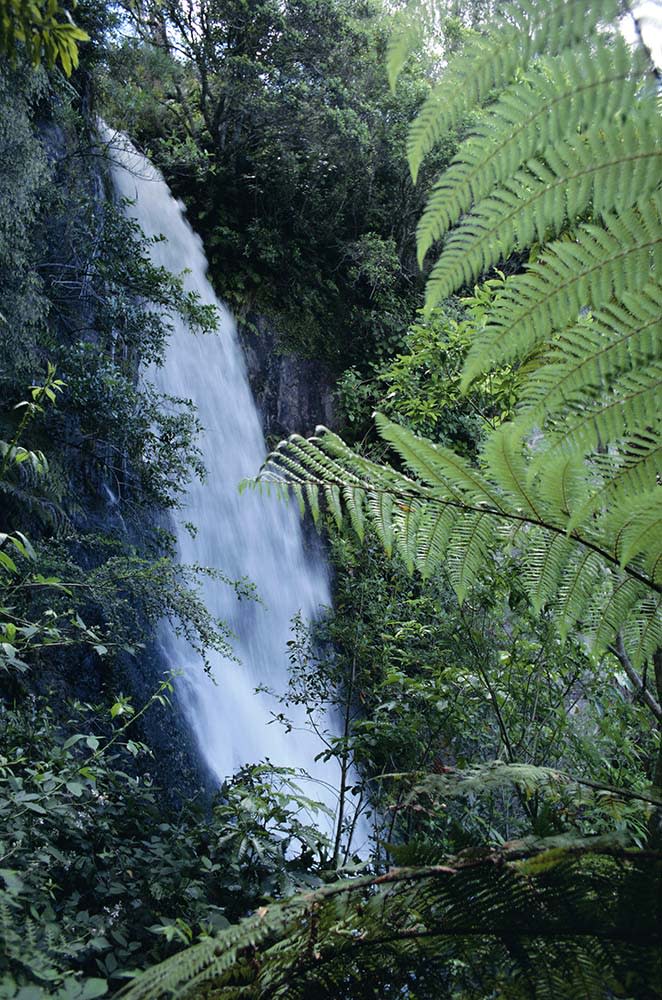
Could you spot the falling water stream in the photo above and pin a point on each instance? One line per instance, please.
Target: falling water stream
(243, 536)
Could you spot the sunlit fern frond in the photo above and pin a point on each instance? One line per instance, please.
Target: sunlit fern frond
(642, 629)
(607, 168)
(547, 555)
(586, 359)
(613, 478)
(490, 61)
(582, 579)
(408, 30)
(627, 409)
(621, 260)
(498, 775)
(557, 97)
(439, 467)
(450, 513)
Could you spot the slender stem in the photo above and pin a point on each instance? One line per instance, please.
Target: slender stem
(619, 651)
(345, 757)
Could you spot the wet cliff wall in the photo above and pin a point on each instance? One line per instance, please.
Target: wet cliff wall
(292, 394)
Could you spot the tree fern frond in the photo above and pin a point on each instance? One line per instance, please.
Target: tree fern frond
(547, 555)
(607, 618)
(406, 532)
(560, 482)
(298, 494)
(547, 906)
(642, 630)
(440, 467)
(432, 538)
(637, 527)
(312, 496)
(485, 778)
(471, 541)
(622, 336)
(319, 460)
(610, 168)
(332, 495)
(596, 264)
(503, 452)
(381, 514)
(490, 61)
(408, 30)
(634, 470)
(583, 578)
(354, 500)
(628, 409)
(558, 97)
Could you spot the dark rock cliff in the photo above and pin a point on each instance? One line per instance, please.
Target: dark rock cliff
(292, 394)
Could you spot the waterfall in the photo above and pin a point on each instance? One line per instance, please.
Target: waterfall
(243, 536)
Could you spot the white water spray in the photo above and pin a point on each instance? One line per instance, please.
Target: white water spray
(243, 536)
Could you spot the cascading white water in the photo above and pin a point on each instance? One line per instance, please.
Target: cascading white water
(244, 536)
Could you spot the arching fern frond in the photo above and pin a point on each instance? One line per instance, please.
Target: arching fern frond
(622, 336)
(607, 168)
(642, 630)
(582, 272)
(546, 557)
(518, 33)
(455, 514)
(557, 97)
(634, 470)
(576, 912)
(439, 467)
(627, 409)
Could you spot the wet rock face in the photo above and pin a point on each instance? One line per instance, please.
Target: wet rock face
(292, 394)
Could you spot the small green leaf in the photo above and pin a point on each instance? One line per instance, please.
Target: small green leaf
(94, 988)
(73, 740)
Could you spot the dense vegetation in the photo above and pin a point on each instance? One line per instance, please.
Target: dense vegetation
(494, 647)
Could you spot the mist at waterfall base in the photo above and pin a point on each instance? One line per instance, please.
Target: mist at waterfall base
(247, 536)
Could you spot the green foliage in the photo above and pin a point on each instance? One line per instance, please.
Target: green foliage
(44, 28)
(433, 687)
(422, 386)
(361, 937)
(282, 139)
(99, 876)
(25, 174)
